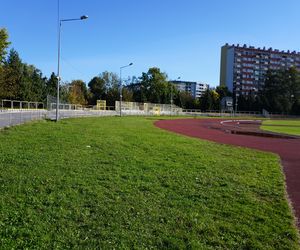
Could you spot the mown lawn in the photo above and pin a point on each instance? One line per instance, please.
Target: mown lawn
(122, 183)
(291, 127)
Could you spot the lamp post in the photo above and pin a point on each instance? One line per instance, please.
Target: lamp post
(236, 100)
(171, 101)
(60, 21)
(236, 103)
(121, 96)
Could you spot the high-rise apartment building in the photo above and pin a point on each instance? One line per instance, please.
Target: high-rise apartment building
(196, 89)
(243, 68)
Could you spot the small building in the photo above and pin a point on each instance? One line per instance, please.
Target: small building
(227, 104)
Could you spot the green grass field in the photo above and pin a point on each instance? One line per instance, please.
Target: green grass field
(121, 183)
(291, 127)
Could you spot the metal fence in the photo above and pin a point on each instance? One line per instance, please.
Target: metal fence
(20, 105)
(19, 112)
(10, 118)
(51, 105)
(218, 113)
(80, 113)
(13, 117)
(138, 108)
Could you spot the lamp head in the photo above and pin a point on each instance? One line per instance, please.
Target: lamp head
(84, 17)
(130, 64)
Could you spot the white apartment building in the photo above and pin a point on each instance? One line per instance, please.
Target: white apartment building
(196, 89)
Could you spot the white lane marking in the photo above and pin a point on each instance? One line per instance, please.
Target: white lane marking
(238, 121)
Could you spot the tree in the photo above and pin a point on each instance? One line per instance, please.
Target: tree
(4, 43)
(3, 47)
(137, 93)
(223, 91)
(112, 96)
(18, 80)
(12, 76)
(296, 107)
(78, 92)
(38, 85)
(186, 100)
(137, 89)
(210, 100)
(97, 89)
(155, 87)
(51, 85)
(64, 92)
(110, 79)
(127, 95)
(206, 101)
(21, 81)
(32, 85)
(281, 91)
(104, 86)
(216, 101)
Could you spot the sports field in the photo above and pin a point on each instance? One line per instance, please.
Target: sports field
(291, 127)
(123, 183)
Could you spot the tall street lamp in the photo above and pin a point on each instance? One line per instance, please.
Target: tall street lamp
(121, 96)
(58, 58)
(236, 94)
(171, 101)
(236, 104)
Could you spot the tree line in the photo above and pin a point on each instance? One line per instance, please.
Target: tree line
(22, 81)
(19, 80)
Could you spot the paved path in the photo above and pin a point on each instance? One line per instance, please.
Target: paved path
(213, 130)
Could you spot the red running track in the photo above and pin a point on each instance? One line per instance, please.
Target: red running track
(287, 149)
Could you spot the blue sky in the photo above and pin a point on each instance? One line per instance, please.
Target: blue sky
(183, 38)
